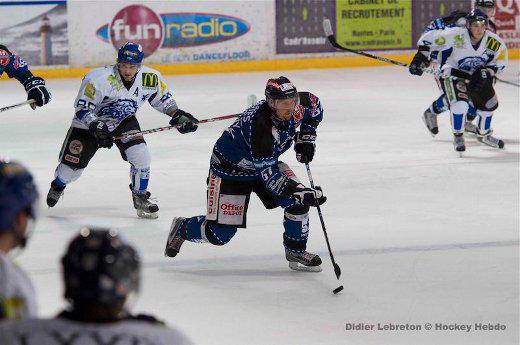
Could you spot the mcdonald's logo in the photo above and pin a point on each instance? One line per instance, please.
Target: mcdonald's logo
(150, 79)
(492, 44)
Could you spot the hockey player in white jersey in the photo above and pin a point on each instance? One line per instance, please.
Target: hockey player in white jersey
(470, 58)
(18, 197)
(106, 106)
(456, 19)
(100, 272)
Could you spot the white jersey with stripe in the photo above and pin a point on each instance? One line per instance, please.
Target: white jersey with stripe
(17, 293)
(456, 51)
(102, 96)
(60, 331)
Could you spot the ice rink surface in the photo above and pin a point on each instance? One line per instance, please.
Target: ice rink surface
(422, 236)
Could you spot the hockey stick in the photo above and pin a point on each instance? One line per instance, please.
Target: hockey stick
(251, 99)
(337, 270)
(167, 128)
(507, 82)
(9, 107)
(327, 27)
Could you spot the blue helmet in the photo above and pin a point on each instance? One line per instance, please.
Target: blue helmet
(17, 192)
(130, 53)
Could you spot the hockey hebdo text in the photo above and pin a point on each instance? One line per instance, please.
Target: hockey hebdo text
(426, 326)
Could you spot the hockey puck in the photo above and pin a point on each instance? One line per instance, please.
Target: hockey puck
(338, 289)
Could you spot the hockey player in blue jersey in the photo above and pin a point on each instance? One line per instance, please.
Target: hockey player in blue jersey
(245, 159)
(455, 19)
(15, 67)
(106, 105)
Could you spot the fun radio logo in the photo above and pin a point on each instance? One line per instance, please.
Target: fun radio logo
(140, 24)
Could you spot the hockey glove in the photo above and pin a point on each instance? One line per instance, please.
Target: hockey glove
(35, 87)
(185, 122)
(304, 146)
(481, 79)
(309, 197)
(419, 62)
(100, 131)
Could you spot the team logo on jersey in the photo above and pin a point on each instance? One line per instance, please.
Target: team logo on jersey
(90, 91)
(4, 57)
(440, 41)
(471, 63)
(140, 24)
(458, 41)
(492, 44)
(120, 109)
(75, 147)
(150, 80)
(115, 82)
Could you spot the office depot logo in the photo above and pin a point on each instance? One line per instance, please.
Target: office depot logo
(141, 24)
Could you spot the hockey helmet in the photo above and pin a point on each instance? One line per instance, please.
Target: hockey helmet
(100, 266)
(487, 6)
(17, 192)
(476, 15)
(130, 53)
(281, 89)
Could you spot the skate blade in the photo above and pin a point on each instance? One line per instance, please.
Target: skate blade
(493, 145)
(147, 215)
(302, 268)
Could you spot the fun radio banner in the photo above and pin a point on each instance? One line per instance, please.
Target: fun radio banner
(36, 30)
(170, 31)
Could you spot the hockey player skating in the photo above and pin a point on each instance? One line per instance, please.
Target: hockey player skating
(455, 19)
(101, 271)
(471, 57)
(245, 160)
(18, 199)
(17, 68)
(107, 102)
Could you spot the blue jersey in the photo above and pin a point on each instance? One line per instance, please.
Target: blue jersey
(13, 65)
(249, 149)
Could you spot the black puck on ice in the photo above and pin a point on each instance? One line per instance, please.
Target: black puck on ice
(338, 289)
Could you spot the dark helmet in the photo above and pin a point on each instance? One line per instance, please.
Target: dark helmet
(99, 266)
(485, 3)
(476, 15)
(280, 88)
(17, 193)
(131, 53)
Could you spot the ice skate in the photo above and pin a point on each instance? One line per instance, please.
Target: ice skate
(490, 140)
(304, 261)
(54, 194)
(470, 127)
(458, 143)
(175, 241)
(144, 207)
(430, 120)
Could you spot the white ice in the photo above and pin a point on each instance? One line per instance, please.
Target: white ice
(421, 235)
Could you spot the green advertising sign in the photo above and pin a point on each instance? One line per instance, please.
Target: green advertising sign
(374, 24)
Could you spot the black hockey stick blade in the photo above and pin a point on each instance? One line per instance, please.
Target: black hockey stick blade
(337, 270)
